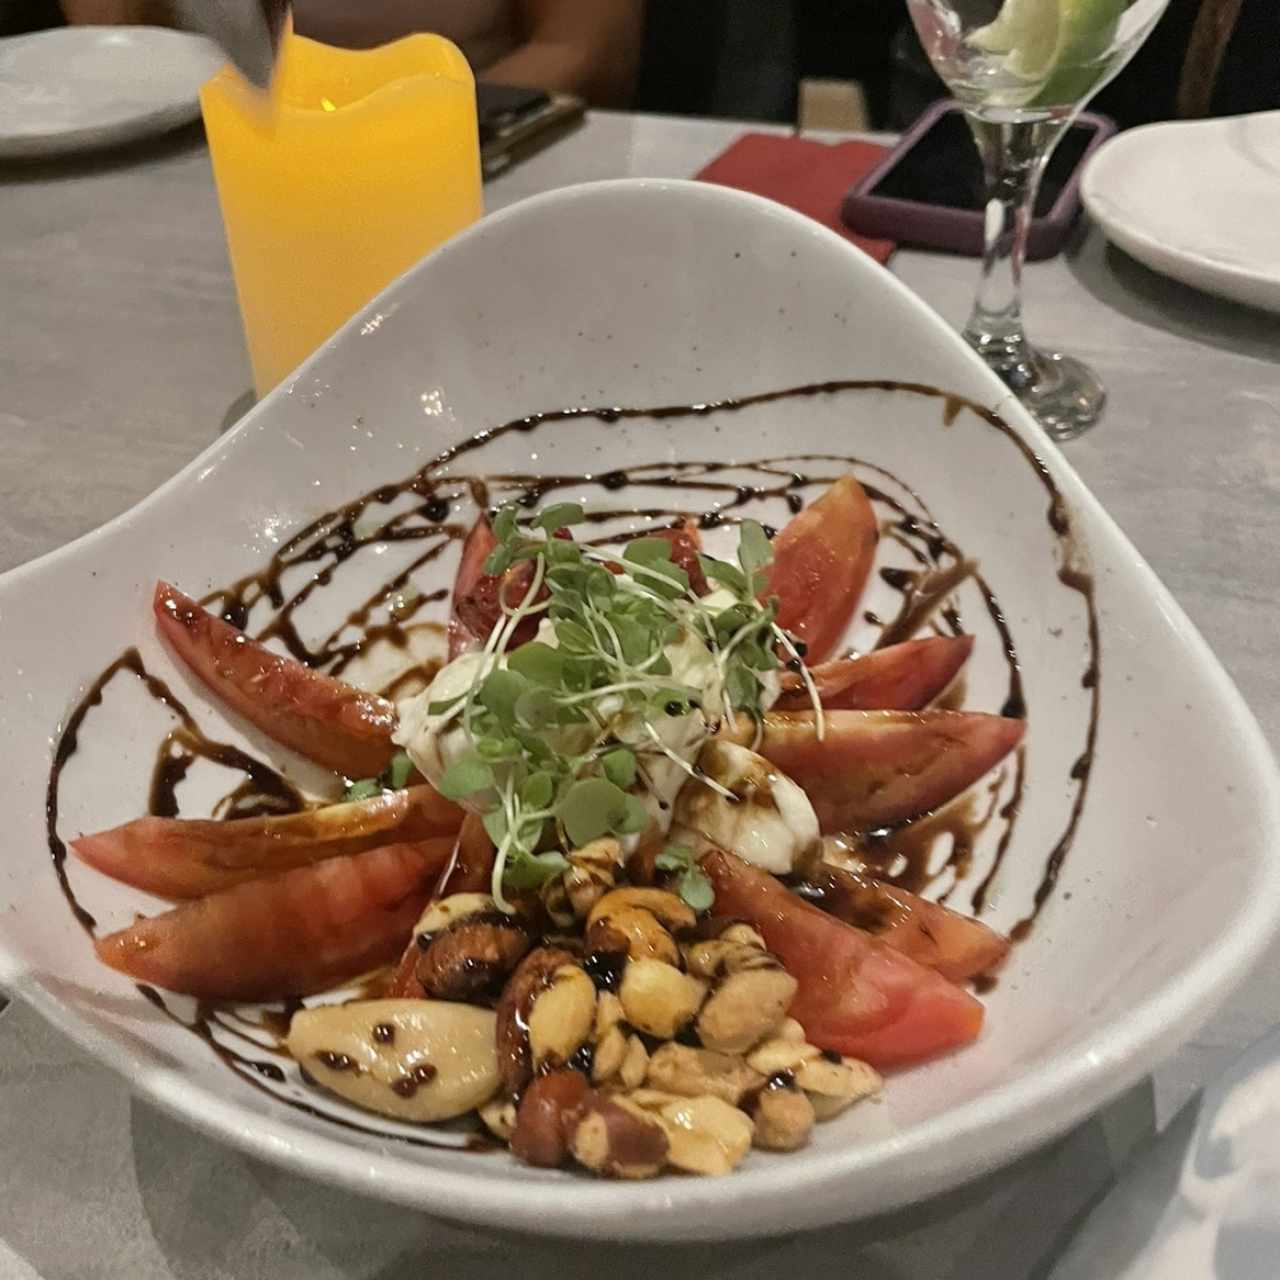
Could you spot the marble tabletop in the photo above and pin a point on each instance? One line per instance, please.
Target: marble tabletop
(121, 357)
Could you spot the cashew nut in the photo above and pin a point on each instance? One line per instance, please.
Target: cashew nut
(691, 1073)
(658, 999)
(416, 1060)
(641, 922)
(778, 1055)
(470, 957)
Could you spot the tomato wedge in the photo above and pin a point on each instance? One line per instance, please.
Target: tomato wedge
(902, 677)
(475, 593)
(955, 945)
(876, 767)
(292, 934)
(686, 543)
(326, 720)
(820, 565)
(188, 858)
(856, 995)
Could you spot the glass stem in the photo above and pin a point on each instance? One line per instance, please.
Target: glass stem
(1013, 158)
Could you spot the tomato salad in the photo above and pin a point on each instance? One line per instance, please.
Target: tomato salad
(582, 855)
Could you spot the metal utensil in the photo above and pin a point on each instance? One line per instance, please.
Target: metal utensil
(248, 30)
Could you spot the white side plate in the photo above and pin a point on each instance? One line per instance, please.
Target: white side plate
(1196, 200)
(79, 88)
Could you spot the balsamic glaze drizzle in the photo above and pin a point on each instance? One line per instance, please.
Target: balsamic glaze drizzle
(328, 542)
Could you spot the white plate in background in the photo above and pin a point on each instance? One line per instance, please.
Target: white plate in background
(79, 88)
(659, 293)
(1203, 1198)
(1196, 200)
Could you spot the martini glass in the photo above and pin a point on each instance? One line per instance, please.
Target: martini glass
(1022, 70)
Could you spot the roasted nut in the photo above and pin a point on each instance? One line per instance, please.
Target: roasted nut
(737, 949)
(777, 1055)
(499, 1117)
(844, 1078)
(416, 1060)
(691, 1073)
(533, 973)
(592, 872)
(784, 1119)
(472, 956)
(608, 1013)
(705, 1135)
(635, 933)
(828, 1108)
(635, 1063)
(610, 1053)
(549, 1112)
(670, 911)
(444, 912)
(617, 1140)
(789, 1029)
(658, 999)
(640, 922)
(561, 1017)
(744, 1008)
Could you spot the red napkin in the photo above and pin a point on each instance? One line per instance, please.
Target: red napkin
(810, 177)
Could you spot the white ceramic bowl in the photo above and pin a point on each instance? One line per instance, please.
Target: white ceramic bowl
(649, 293)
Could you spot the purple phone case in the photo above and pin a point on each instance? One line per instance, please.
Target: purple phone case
(932, 226)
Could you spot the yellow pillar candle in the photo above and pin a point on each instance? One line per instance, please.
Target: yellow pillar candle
(361, 163)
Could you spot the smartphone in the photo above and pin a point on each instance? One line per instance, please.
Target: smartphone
(516, 122)
(928, 191)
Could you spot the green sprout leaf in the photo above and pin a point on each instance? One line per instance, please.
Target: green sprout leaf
(530, 871)
(560, 515)
(398, 771)
(620, 767)
(465, 778)
(364, 789)
(725, 574)
(593, 807)
(538, 662)
(692, 883)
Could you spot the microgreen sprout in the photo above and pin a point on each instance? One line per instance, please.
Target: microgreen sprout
(691, 882)
(561, 728)
(393, 778)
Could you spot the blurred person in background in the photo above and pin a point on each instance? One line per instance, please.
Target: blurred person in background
(587, 47)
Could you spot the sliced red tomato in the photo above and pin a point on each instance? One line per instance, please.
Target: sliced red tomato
(856, 995)
(475, 593)
(471, 869)
(188, 858)
(876, 767)
(478, 596)
(326, 720)
(902, 677)
(291, 934)
(686, 543)
(820, 565)
(955, 945)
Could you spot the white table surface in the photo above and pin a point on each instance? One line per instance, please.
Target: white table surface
(120, 356)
